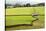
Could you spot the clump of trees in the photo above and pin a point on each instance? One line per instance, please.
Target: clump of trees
(40, 4)
(25, 5)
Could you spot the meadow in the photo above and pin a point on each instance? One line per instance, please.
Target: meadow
(24, 10)
(24, 17)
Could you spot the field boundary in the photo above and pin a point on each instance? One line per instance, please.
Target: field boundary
(18, 25)
(23, 15)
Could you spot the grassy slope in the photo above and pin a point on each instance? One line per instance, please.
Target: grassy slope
(29, 10)
(24, 10)
(36, 25)
(13, 20)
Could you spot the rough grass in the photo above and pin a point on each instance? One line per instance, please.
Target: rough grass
(36, 25)
(13, 20)
(24, 10)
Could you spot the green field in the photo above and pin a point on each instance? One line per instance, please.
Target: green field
(13, 20)
(24, 10)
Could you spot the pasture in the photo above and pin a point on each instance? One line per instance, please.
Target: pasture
(26, 17)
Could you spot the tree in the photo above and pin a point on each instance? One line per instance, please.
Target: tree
(28, 5)
(5, 6)
(41, 4)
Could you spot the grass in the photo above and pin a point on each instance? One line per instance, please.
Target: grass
(24, 10)
(13, 20)
(36, 25)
